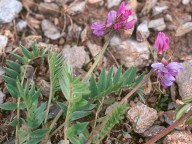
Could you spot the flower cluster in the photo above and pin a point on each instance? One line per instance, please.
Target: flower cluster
(166, 72)
(117, 20)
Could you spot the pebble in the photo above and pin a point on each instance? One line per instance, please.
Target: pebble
(184, 29)
(184, 80)
(153, 130)
(178, 137)
(76, 55)
(77, 8)
(63, 142)
(149, 4)
(3, 42)
(159, 9)
(130, 52)
(142, 32)
(142, 117)
(168, 18)
(54, 110)
(21, 25)
(157, 24)
(93, 48)
(9, 10)
(185, 2)
(110, 108)
(169, 116)
(113, 3)
(2, 97)
(2, 72)
(44, 85)
(50, 30)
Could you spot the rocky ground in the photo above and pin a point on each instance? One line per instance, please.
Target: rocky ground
(64, 25)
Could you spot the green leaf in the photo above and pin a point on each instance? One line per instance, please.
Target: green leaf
(117, 75)
(18, 57)
(8, 106)
(77, 128)
(11, 72)
(26, 52)
(14, 122)
(35, 49)
(35, 140)
(79, 114)
(39, 133)
(102, 81)
(15, 66)
(12, 90)
(182, 111)
(9, 80)
(62, 106)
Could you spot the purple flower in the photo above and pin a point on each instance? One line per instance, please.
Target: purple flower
(161, 42)
(167, 72)
(115, 20)
(98, 28)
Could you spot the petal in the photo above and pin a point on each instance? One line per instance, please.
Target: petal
(174, 66)
(159, 66)
(98, 28)
(167, 80)
(130, 24)
(111, 17)
(122, 8)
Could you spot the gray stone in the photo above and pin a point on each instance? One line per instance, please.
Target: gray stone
(2, 72)
(110, 108)
(130, 52)
(149, 4)
(142, 117)
(50, 30)
(2, 97)
(157, 24)
(184, 80)
(77, 8)
(112, 3)
(159, 9)
(9, 10)
(178, 137)
(63, 142)
(93, 48)
(185, 2)
(76, 55)
(152, 131)
(142, 32)
(3, 42)
(54, 110)
(184, 29)
(168, 18)
(169, 116)
(21, 25)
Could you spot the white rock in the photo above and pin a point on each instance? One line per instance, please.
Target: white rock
(76, 55)
(184, 29)
(77, 8)
(3, 42)
(142, 31)
(142, 117)
(149, 4)
(21, 25)
(2, 97)
(157, 24)
(130, 52)
(185, 2)
(184, 80)
(9, 10)
(50, 30)
(93, 48)
(159, 9)
(168, 18)
(112, 3)
(63, 142)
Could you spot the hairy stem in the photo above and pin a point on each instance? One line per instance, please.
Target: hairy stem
(55, 119)
(18, 109)
(98, 58)
(169, 129)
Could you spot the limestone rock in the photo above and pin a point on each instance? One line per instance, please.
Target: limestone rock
(157, 24)
(142, 117)
(130, 52)
(142, 32)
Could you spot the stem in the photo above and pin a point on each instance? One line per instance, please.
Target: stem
(55, 119)
(49, 103)
(17, 127)
(18, 109)
(169, 129)
(121, 102)
(98, 58)
(55, 131)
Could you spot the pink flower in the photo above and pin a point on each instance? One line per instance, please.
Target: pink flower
(166, 72)
(115, 20)
(161, 42)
